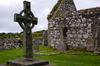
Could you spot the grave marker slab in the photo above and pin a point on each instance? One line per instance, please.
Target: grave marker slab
(90, 44)
(45, 39)
(1, 43)
(36, 45)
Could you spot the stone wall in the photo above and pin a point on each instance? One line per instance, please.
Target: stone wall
(78, 27)
(9, 43)
(1, 43)
(40, 40)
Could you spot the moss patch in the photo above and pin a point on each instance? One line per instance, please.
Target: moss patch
(54, 9)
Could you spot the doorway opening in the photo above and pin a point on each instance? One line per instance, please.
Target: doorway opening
(65, 31)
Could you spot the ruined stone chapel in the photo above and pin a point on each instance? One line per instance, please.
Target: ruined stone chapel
(69, 28)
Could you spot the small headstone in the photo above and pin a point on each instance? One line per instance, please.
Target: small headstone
(90, 44)
(36, 46)
(1, 43)
(17, 47)
(45, 39)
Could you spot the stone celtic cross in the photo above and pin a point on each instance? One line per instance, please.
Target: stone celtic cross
(27, 21)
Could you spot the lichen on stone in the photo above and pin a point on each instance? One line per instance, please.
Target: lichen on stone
(54, 9)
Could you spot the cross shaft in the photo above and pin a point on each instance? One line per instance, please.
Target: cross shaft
(27, 22)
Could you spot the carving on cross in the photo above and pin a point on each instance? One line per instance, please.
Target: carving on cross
(25, 17)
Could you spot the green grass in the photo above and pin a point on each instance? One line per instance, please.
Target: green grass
(10, 54)
(49, 52)
(82, 51)
(60, 60)
(44, 48)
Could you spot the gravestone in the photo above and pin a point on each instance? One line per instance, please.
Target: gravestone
(90, 44)
(27, 21)
(97, 40)
(17, 47)
(36, 45)
(61, 46)
(45, 38)
(1, 43)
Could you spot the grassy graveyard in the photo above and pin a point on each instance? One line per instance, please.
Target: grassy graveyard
(67, 58)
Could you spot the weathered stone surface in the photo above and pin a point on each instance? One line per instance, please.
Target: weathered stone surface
(45, 38)
(81, 25)
(26, 22)
(17, 47)
(31, 63)
(90, 44)
(50, 64)
(1, 43)
(9, 43)
(61, 47)
(65, 6)
(36, 46)
(40, 40)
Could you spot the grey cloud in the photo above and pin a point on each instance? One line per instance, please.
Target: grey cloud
(40, 8)
(84, 4)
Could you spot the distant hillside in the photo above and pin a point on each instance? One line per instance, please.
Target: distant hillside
(20, 35)
(13, 35)
(39, 33)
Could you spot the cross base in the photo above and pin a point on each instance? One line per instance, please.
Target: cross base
(27, 62)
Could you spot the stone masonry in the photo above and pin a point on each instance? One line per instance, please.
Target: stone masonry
(9, 43)
(78, 25)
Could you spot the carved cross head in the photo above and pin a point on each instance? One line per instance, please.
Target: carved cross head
(25, 18)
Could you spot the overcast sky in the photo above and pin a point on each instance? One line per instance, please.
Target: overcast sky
(40, 8)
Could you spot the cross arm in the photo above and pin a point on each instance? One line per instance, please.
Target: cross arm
(34, 22)
(20, 19)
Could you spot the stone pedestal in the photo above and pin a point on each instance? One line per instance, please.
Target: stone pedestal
(27, 62)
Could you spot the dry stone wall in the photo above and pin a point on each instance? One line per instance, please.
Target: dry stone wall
(1, 43)
(40, 40)
(78, 27)
(9, 43)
